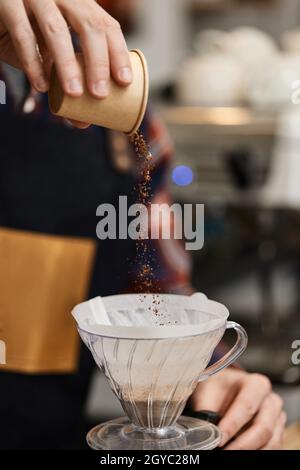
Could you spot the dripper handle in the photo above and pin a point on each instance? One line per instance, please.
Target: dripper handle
(232, 355)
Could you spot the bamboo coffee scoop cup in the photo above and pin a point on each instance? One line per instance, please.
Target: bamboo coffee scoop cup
(123, 109)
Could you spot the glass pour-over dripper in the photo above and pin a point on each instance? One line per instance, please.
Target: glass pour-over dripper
(154, 349)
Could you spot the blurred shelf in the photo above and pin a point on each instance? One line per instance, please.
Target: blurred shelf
(204, 137)
(210, 6)
(221, 6)
(221, 120)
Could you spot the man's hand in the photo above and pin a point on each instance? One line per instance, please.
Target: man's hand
(252, 415)
(36, 33)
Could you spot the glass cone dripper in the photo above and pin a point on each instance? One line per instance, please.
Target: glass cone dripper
(153, 369)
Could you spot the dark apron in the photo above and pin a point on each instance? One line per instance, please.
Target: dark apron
(52, 178)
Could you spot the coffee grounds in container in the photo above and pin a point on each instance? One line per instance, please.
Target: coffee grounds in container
(158, 414)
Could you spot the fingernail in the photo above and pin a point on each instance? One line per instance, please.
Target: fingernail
(100, 88)
(125, 75)
(74, 85)
(41, 84)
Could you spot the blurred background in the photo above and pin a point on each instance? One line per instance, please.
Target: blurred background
(225, 75)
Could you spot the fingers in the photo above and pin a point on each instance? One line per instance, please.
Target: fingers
(102, 43)
(94, 47)
(261, 430)
(43, 49)
(254, 390)
(119, 57)
(14, 15)
(217, 393)
(207, 398)
(78, 124)
(90, 26)
(276, 442)
(58, 40)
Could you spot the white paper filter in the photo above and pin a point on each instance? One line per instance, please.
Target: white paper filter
(146, 316)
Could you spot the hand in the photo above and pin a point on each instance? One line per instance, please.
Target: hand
(253, 416)
(35, 33)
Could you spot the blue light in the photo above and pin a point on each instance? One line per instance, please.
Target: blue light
(182, 175)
